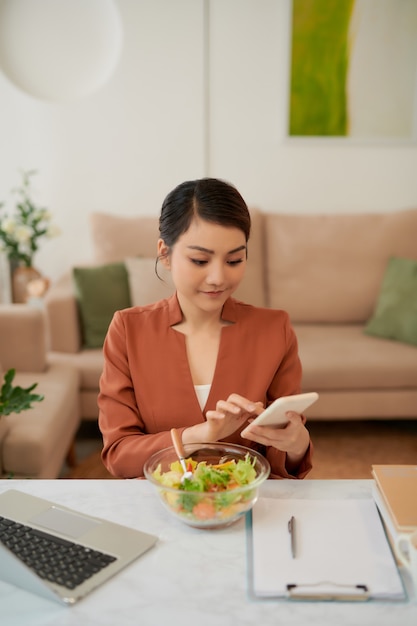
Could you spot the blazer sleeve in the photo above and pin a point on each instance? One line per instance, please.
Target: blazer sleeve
(126, 445)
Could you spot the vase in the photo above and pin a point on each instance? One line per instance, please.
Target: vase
(5, 279)
(21, 277)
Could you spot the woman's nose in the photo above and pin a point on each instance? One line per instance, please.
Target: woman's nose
(215, 275)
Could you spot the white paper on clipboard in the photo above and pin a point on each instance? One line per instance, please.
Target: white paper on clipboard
(341, 551)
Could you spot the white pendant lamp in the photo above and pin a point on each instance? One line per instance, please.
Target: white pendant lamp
(59, 50)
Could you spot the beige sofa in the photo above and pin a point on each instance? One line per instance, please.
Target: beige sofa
(35, 443)
(325, 270)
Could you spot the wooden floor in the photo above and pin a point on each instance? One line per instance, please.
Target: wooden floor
(349, 449)
(341, 449)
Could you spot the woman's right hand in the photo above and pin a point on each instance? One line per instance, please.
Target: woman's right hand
(228, 416)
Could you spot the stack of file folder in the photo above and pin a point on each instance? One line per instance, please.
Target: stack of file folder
(395, 494)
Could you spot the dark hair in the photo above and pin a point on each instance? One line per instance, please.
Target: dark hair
(211, 199)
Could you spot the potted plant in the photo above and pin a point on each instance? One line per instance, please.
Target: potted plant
(14, 399)
(20, 234)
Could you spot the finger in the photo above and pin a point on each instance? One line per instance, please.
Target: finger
(293, 417)
(245, 404)
(259, 407)
(265, 440)
(227, 407)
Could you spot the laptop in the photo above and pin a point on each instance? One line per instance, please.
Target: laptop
(59, 553)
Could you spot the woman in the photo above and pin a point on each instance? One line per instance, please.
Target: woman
(200, 361)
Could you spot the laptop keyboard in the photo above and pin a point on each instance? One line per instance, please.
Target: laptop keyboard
(54, 559)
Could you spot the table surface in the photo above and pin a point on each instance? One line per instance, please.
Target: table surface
(191, 576)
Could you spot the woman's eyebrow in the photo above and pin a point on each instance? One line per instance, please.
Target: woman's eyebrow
(201, 249)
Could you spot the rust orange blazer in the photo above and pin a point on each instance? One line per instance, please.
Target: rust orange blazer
(146, 386)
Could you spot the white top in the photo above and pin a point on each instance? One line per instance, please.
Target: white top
(177, 581)
(202, 392)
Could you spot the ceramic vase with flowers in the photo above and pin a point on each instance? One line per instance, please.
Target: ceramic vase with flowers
(20, 235)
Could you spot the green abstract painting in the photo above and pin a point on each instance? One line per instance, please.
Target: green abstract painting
(353, 68)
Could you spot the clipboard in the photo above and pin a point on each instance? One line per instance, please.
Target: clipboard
(342, 552)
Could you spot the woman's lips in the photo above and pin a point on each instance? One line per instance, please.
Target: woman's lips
(213, 294)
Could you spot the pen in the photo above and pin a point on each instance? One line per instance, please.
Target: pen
(291, 530)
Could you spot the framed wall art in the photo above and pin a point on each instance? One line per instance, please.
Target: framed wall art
(353, 69)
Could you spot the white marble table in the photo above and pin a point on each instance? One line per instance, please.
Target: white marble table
(191, 577)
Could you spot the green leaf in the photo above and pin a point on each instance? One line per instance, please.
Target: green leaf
(15, 399)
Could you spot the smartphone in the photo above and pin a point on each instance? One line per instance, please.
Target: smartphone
(274, 414)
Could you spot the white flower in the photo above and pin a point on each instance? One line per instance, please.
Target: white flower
(23, 233)
(20, 235)
(8, 225)
(42, 214)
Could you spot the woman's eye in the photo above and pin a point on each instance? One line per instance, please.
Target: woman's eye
(201, 262)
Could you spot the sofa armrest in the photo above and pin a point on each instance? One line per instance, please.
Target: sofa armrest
(63, 318)
(23, 338)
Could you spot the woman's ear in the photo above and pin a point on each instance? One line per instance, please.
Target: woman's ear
(163, 253)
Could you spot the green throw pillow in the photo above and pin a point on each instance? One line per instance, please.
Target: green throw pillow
(395, 316)
(100, 291)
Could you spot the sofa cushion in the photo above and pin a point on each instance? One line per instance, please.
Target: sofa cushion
(63, 316)
(23, 338)
(88, 363)
(329, 268)
(338, 357)
(115, 237)
(395, 316)
(252, 289)
(38, 439)
(100, 291)
(144, 285)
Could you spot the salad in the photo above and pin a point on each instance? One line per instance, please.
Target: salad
(214, 491)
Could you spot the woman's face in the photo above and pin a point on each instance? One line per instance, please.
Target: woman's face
(207, 263)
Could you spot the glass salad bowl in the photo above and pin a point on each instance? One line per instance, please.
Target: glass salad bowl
(225, 482)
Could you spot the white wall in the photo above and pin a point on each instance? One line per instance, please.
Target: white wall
(248, 140)
(122, 149)
(161, 119)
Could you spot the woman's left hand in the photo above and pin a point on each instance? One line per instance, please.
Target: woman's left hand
(293, 438)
